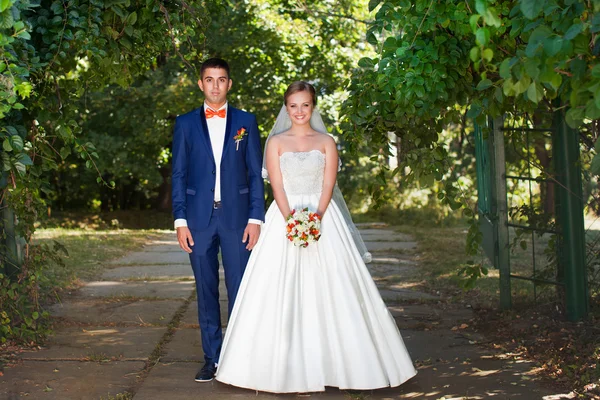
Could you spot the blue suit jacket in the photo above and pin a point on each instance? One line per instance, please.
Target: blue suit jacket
(193, 179)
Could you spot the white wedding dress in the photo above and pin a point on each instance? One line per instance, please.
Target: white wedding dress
(306, 318)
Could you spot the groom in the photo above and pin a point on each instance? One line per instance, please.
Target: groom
(218, 198)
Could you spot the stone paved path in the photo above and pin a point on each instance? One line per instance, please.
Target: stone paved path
(135, 332)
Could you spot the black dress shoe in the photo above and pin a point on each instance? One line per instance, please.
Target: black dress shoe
(206, 373)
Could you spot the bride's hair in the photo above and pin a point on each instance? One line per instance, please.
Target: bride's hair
(300, 86)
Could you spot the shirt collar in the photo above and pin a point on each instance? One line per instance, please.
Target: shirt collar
(206, 106)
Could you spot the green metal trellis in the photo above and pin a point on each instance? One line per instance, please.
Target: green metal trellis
(493, 210)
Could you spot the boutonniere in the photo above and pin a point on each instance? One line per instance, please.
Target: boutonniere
(239, 137)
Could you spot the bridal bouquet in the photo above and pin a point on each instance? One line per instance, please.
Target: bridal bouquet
(303, 227)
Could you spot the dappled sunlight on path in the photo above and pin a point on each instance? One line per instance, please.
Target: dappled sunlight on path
(136, 331)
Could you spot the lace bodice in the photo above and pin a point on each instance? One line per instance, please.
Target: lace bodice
(302, 171)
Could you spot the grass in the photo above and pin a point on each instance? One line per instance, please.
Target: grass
(119, 396)
(89, 251)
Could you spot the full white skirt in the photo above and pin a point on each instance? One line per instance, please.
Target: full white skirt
(306, 318)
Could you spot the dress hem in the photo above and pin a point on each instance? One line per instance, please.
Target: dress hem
(319, 390)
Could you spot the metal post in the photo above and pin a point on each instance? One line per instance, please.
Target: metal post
(569, 190)
(501, 208)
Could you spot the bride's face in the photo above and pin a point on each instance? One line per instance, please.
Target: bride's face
(300, 107)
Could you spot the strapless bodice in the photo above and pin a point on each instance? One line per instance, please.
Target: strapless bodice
(302, 171)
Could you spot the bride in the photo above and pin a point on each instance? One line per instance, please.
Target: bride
(306, 318)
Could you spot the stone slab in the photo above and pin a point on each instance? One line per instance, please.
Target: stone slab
(385, 235)
(397, 295)
(157, 289)
(163, 247)
(366, 226)
(383, 246)
(426, 312)
(72, 380)
(185, 345)
(150, 272)
(383, 258)
(123, 312)
(152, 257)
(398, 272)
(99, 344)
(176, 381)
(453, 368)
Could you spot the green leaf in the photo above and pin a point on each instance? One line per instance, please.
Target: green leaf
(132, 18)
(474, 111)
(484, 84)
(373, 4)
(21, 169)
(505, 69)
(481, 6)
(573, 31)
(57, 7)
(532, 8)
(522, 85)
(488, 55)
(591, 111)
(491, 17)
(482, 36)
(474, 54)
(552, 46)
(65, 152)
(575, 117)
(597, 146)
(535, 92)
(16, 142)
(595, 167)
(532, 67)
(473, 20)
(366, 62)
(6, 145)
(6, 19)
(25, 159)
(538, 36)
(4, 4)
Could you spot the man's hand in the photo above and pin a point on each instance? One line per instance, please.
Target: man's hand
(184, 237)
(251, 234)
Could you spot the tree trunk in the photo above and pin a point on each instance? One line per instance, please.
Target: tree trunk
(163, 202)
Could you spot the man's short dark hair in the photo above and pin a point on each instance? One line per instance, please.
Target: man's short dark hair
(214, 63)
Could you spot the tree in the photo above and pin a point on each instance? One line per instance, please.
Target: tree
(52, 52)
(437, 59)
(131, 127)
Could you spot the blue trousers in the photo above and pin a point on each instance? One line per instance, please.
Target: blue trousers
(205, 263)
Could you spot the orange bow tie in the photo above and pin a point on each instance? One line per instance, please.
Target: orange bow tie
(212, 113)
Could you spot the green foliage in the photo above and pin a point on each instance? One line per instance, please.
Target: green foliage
(415, 86)
(132, 126)
(52, 53)
(485, 58)
(23, 318)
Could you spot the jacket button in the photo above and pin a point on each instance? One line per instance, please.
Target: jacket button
(212, 190)
(213, 171)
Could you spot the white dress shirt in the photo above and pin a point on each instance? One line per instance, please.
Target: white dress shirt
(216, 133)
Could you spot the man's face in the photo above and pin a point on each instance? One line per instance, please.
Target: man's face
(215, 84)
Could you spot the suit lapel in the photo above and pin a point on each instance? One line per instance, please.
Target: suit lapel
(228, 133)
(204, 135)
